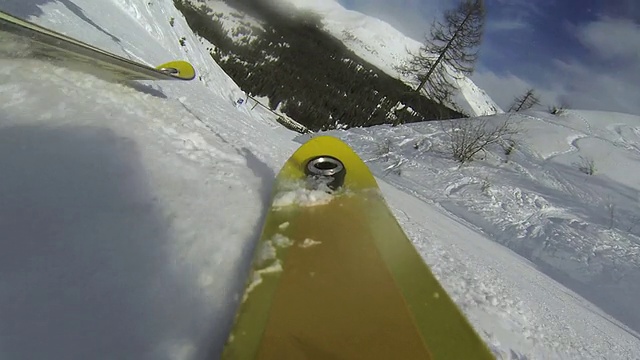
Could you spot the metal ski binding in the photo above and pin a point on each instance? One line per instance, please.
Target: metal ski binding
(326, 170)
(170, 71)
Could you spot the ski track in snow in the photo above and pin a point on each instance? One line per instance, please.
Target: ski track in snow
(130, 212)
(572, 140)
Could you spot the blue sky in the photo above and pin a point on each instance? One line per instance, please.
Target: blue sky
(585, 53)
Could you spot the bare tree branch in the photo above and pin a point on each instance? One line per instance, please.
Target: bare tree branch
(468, 137)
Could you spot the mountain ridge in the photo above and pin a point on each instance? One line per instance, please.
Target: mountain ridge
(305, 72)
(386, 47)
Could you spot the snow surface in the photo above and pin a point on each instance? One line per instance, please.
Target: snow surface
(129, 214)
(232, 20)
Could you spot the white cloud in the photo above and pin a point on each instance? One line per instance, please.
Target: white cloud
(573, 83)
(518, 11)
(507, 25)
(589, 88)
(525, 7)
(609, 80)
(612, 80)
(611, 38)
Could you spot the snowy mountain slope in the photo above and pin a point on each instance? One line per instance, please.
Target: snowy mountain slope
(372, 39)
(129, 212)
(386, 48)
(582, 230)
(232, 19)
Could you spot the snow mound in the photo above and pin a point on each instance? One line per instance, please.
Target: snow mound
(301, 197)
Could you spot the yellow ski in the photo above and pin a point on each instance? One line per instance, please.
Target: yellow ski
(335, 277)
(35, 41)
(179, 69)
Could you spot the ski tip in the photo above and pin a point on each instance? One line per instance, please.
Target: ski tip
(358, 176)
(179, 69)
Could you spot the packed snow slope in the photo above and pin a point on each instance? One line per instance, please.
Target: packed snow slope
(128, 214)
(372, 39)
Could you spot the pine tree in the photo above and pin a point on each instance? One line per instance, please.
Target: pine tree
(524, 102)
(452, 43)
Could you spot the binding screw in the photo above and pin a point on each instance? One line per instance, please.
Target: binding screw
(326, 169)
